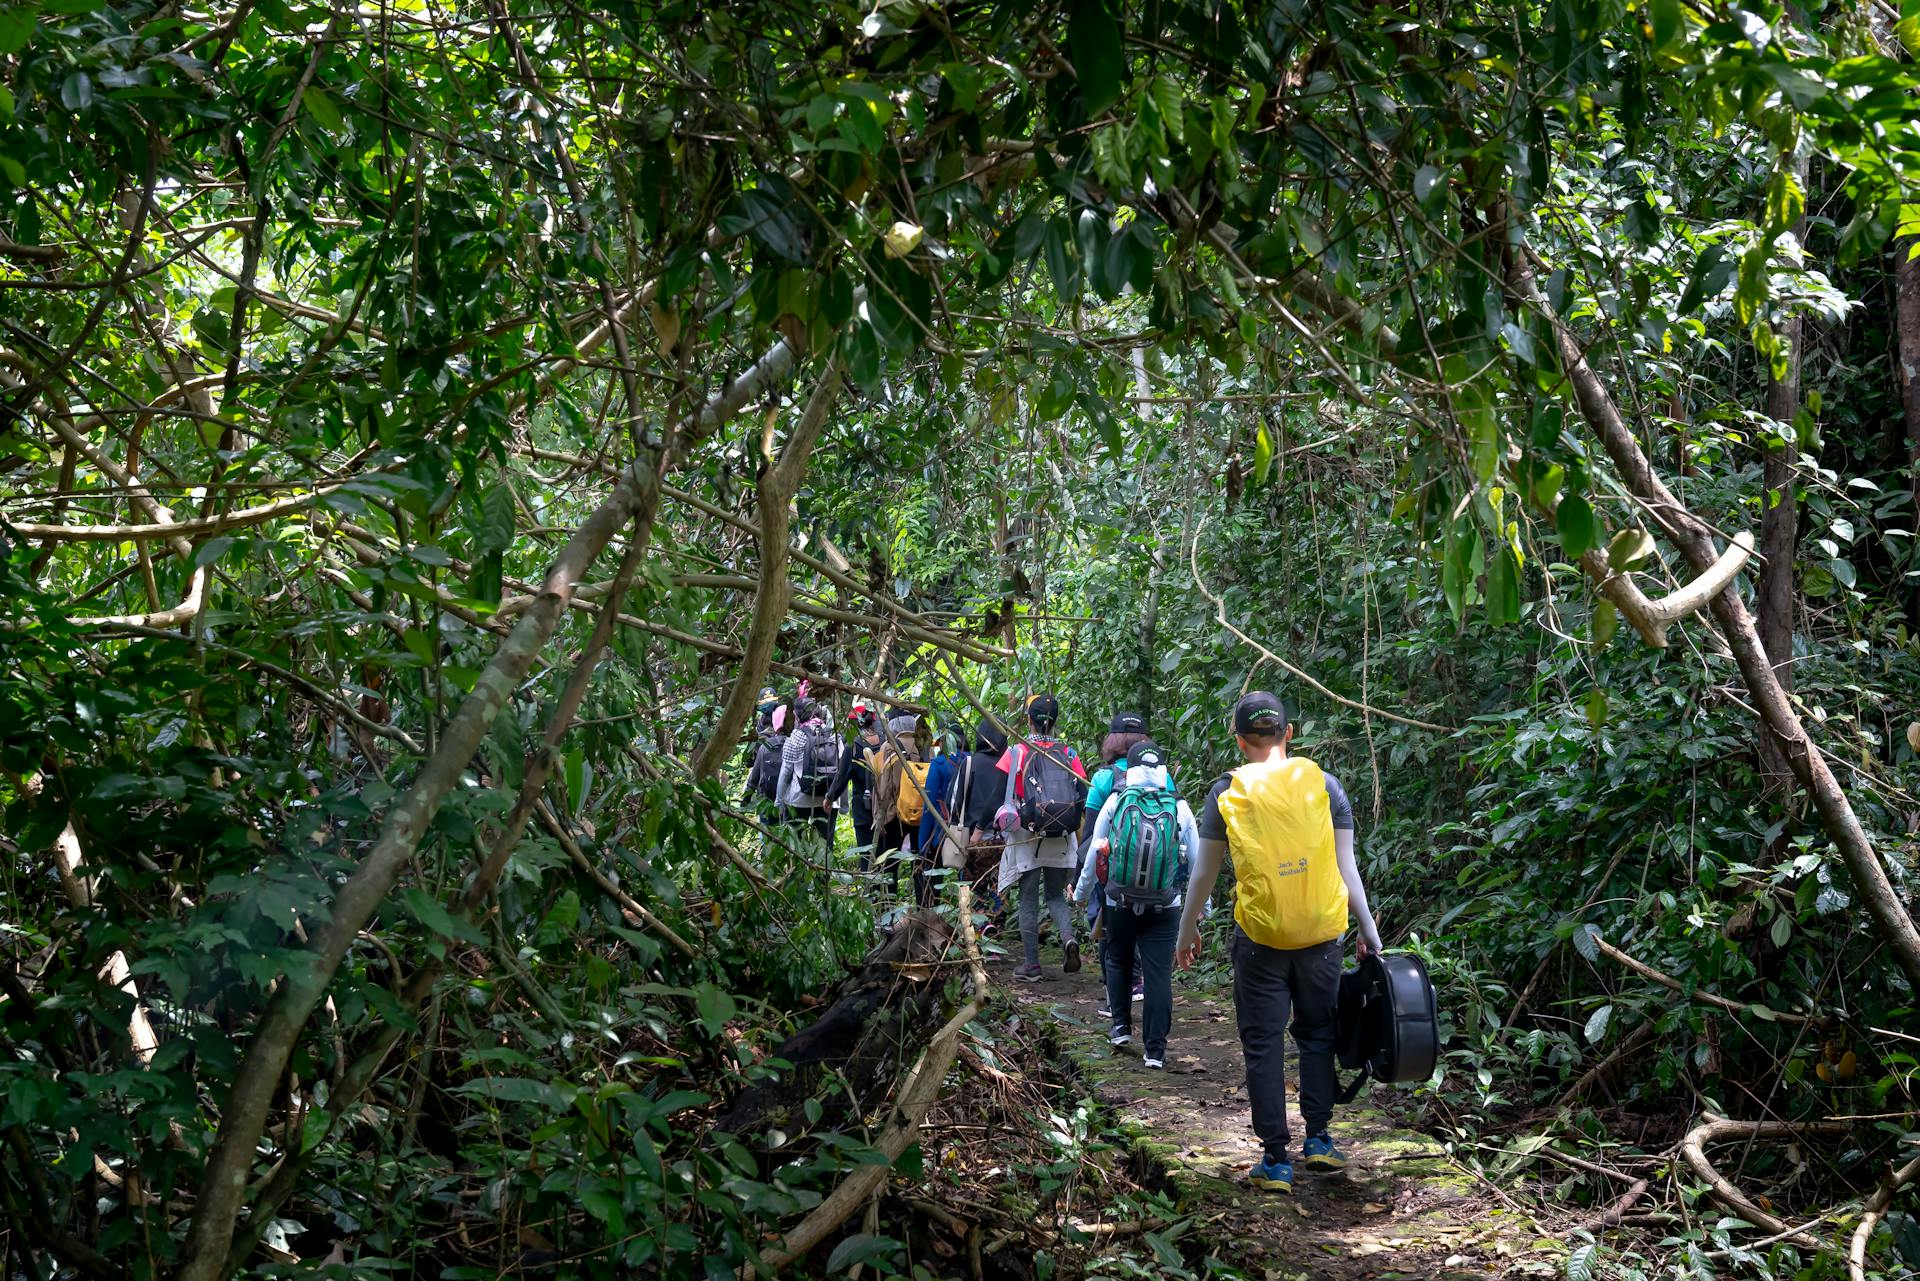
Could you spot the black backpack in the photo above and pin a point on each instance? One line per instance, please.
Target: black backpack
(821, 762)
(1385, 1023)
(765, 774)
(1051, 794)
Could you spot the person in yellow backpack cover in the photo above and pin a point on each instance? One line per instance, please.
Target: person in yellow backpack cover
(1289, 828)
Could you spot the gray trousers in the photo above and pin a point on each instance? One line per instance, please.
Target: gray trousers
(1269, 986)
(1056, 879)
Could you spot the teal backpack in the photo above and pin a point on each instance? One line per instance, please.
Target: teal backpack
(1144, 847)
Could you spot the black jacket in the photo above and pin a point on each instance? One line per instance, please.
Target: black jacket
(854, 779)
(988, 783)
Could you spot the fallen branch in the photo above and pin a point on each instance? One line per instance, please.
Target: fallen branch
(915, 1098)
(618, 895)
(1673, 984)
(1608, 1066)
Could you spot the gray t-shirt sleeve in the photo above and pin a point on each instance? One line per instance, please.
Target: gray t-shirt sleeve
(1341, 808)
(1212, 826)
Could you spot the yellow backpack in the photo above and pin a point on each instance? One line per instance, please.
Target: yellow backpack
(1288, 891)
(912, 800)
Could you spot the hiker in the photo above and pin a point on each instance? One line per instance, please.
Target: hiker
(1040, 813)
(1136, 855)
(763, 777)
(913, 740)
(1123, 731)
(808, 764)
(1289, 829)
(966, 790)
(854, 779)
(898, 766)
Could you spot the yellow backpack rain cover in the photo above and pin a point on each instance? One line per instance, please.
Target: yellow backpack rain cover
(912, 801)
(1288, 891)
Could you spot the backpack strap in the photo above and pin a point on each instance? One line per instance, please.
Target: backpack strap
(1351, 1090)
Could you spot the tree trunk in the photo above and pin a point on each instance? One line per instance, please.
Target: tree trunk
(1906, 310)
(779, 481)
(1779, 521)
(1882, 901)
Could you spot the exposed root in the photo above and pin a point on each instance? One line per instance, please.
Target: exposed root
(1717, 1129)
(1876, 1209)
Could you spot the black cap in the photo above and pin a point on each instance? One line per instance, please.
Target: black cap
(1146, 753)
(1043, 709)
(1259, 715)
(1127, 723)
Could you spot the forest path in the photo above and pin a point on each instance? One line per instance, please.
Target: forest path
(1401, 1209)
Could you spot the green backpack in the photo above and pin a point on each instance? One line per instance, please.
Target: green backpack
(1144, 847)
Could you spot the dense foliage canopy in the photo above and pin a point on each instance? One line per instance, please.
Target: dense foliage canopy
(428, 426)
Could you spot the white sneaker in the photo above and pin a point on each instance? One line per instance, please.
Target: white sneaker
(1155, 1063)
(1118, 1037)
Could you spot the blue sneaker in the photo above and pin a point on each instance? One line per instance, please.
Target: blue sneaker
(1273, 1176)
(1322, 1155)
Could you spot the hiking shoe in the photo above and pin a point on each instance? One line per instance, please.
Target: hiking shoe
(1072, 962)
(1272, 1176)
(1139, 989)
(1152, 1062)
(1121, 1035)
(1103, 1012)
(1030, 972)
(1322, 1155)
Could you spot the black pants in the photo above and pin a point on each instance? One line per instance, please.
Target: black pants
(1269, 985)
(863, 837)
(1153, 933)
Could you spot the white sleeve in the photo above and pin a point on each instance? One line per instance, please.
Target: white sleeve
(1100, 826)
(1356, 892)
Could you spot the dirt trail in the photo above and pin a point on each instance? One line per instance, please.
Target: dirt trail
(1402, 1208)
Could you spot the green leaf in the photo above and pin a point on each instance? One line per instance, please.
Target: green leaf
(1596, 707)
(1584, 936)
(1580, 1263)
(427, 910)
(1751, 289)
(76, 91)
(1167, 97)
(321, 106)
(714, 1007)
(1629, 547)
(1503, 588)
(17, 22)
(1710, 275)
(861, 1247)
(212, 550)
(1785, 201)
(1573, 520)
(1604, 623)
(1262, 455)
(1063, 260)
(1597, 1024)
(1669, 24)
(1782, 930)
(1093, 45)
